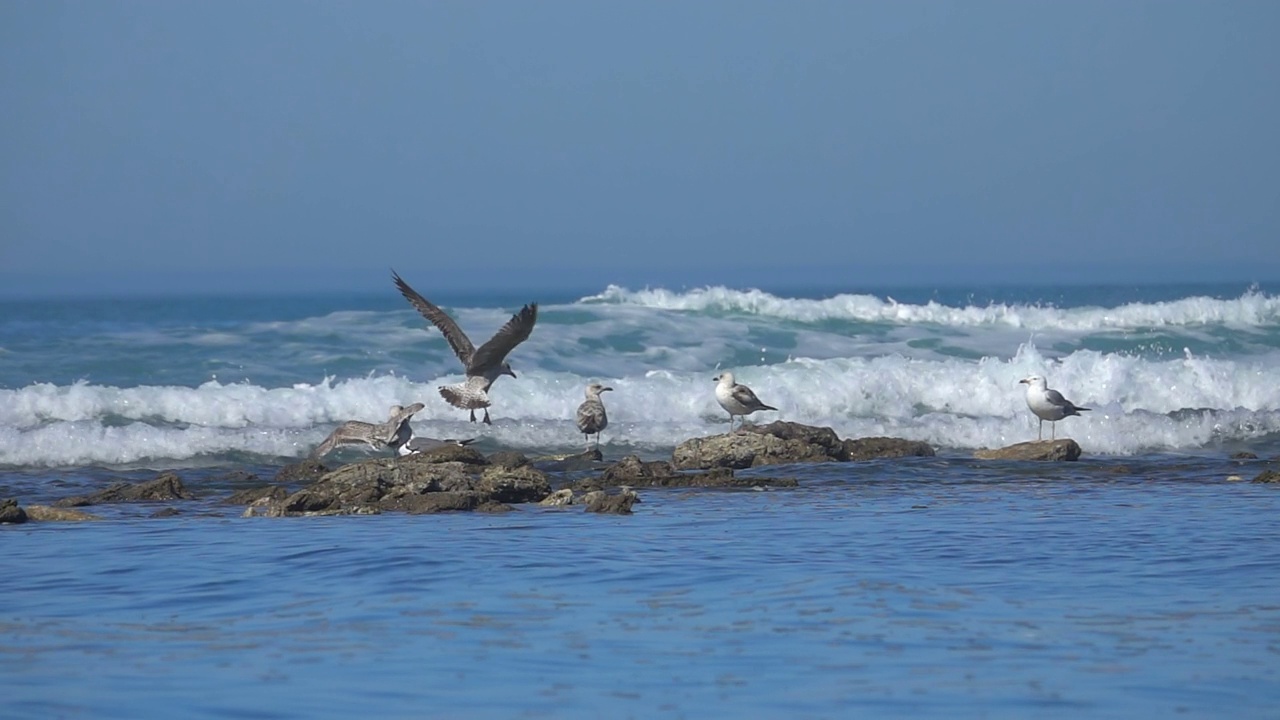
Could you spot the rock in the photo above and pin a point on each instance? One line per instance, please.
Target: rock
(306, 471)
(508, 459)
(738, 450)
(238, 478)
(165, 512)
(253, 495)
(1065, 449)
(167, 486)
(1268, 476)
(451, 453)
(559, 498)
(420, 483)
(787, 442)
(876, 448)
(632, 467)
(47, 513)
(11, 513)
(718, 478)
(1244, 456)
(597, 501)
(587, 460)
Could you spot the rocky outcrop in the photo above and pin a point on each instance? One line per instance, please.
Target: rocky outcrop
(597, 501)
(301, 472)
(11, 513)
(1065, 449)
(449, 479)
(631, 471)
(787, 442)
(254, 495)
(1268, 476)
(167, 486)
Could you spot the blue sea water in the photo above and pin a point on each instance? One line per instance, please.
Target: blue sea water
(1142, 579)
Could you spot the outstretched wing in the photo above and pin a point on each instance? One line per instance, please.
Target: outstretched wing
(457, 339)
(504, 341)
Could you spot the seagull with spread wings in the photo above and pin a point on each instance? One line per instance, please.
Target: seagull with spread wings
(482, 365)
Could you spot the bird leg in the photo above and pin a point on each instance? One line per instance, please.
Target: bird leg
(473, 415)
(486, 417)
(1040, 435)
(1053, 429)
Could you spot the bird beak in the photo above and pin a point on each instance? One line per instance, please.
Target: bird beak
(605, 388)
(1023, 381)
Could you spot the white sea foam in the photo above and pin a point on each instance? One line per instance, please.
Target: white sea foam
(1139, 405)
(1249, 310)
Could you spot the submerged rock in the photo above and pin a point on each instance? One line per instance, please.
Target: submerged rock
(47, 513)
(787, 442)
(597, 501)
(632, 471)
(1268, 476)
(253, 495)
(1065, 449)
(301, 472)
(166, 486)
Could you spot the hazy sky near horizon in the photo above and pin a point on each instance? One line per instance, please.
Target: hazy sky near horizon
(240, 144)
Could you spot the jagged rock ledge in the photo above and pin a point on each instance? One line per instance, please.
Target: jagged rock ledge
(787, 442)
(1052, 450)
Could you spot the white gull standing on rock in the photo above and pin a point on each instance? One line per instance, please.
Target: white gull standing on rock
(393, 433)
(482, 365)
(1048, 404)
(591, 415)
(737, 399)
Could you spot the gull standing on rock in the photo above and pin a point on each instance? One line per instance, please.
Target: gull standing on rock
(482, 365)
(591, 415)
(737, 399)
(1048, 404)
(393, 433)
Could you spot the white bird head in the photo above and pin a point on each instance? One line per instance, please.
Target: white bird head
(724, 378)
(1035, 381)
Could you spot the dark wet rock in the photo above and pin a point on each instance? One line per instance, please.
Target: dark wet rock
(420, 483)
(451, 453)
(597, 501)
(252, 495)
(718, 478)
(167, 486)
(238, 478)
(165, 512)
(508, 459)
(787, 442)
(1268, 476)
(1065, 449)
(632, 467)
(306, 471)
(47, 513)
(1244, 456)
(878, 448)
(559, 498)
(586, 460)
(11, 513)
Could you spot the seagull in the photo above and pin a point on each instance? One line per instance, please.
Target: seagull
(737, 399)
(482, 365)
(591, 415)
(1048, 404)
(418, 444)
(393, 433)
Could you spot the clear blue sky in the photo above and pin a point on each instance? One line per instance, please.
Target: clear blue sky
(244, 144)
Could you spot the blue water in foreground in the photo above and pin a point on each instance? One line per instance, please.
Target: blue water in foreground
(1141, 581)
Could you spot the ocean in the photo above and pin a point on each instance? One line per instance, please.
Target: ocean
(1142, 579)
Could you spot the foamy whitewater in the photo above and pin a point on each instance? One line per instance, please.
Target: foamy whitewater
(189, 382)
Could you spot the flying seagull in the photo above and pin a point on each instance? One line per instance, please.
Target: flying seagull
(1048, 404)
(393, 433)
(591, 415)
(482, 365)
(737, 399)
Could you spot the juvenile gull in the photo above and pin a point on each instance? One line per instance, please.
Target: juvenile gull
(591, 415)
(483, 365)
(1048, 405)
(417, 444)
(393, 433)
(737, 399)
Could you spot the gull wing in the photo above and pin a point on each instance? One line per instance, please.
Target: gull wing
(453, 334)
(1055, 397)
(744, 395)
(591, 417)
(504, 341)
